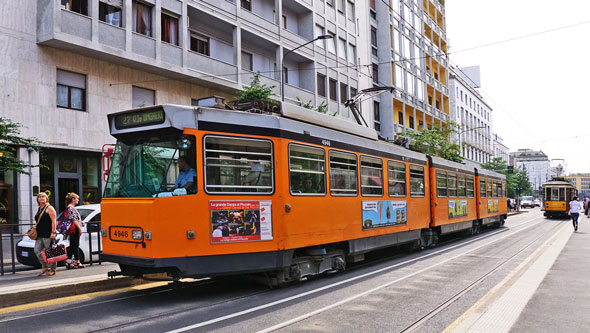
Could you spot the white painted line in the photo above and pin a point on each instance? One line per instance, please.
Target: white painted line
(311, 292)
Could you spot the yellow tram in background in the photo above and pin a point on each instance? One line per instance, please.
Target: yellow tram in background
(557, 193)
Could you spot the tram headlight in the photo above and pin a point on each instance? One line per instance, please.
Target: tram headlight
(136, 234)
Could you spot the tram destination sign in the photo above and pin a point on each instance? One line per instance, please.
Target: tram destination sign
(139, 118)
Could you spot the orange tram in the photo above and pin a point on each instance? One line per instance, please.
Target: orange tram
(195, 191)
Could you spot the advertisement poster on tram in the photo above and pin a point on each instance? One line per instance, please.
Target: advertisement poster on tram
(378, 214)
(457, 208)
(493, 205)
(240, 221)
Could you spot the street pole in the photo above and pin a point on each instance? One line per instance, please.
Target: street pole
(285, 56)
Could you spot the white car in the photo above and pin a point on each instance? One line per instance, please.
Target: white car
(527, 201)
(90, 214)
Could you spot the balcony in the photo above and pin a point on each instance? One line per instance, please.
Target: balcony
(298, 20)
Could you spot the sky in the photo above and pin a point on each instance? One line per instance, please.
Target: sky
(538, 86)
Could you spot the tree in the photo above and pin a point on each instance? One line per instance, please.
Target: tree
(518, 183)
(436, 142)
(10, 139)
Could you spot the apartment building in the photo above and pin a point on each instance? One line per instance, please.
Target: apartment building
(406, 47)
(472, 114)
(66, 64)
(581, 181)
(501, 150)
(537, 165)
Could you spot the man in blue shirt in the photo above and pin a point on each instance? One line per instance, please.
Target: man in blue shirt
(186, 176)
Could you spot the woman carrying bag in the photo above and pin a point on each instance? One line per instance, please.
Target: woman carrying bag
(75, 231)
(45, 227)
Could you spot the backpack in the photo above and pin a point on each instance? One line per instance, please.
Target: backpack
(64, 224)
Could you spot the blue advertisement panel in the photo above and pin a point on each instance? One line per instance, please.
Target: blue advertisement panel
(378, 214)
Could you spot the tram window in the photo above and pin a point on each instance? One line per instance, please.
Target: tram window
(489, 182)
(500, 191)
(482, 188)
(441, 183)
(461, 185)
(554, 193)
(470, 189)
(307, 170)
(396, 174)
(371, 176)
(561, 194)
(238, 165)
(452, 184)
(343, 173)
(494, 189)
(416, 181)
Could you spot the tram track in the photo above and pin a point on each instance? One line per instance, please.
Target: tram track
(209, 282)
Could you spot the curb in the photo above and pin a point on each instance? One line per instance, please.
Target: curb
(20, 297)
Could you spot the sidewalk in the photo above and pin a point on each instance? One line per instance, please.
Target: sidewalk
(26, 287)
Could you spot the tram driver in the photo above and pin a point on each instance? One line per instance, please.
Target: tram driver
(186, 176)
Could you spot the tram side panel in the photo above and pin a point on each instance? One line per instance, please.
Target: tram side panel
(453, 203)
(492, 200)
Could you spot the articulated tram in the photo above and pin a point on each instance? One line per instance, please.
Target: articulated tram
(557, 193)
(195, 191)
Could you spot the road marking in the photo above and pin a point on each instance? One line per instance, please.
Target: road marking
(73, 299)
(311, 292)
(504, 311)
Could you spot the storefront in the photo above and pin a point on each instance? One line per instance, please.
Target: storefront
(67, 171)
(8, 218)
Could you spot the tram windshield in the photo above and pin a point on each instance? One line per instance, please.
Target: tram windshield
(150, 168)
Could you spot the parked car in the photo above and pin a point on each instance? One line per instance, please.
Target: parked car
(526, 201)
(537, 203)
(25, 253)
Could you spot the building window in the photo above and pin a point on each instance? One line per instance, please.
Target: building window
(331, 43)
(377, 116)
(321, 85)
(352, 53)
(200, 44)
(319, 31)
(246, 4)
(284, 22)
(411, 122)
(142, 19)
(374, 41)
(285, 75)
(342, 48)
(375, 73)
(400, 118)
(143, 97)
(350, 10)
(169, 29)
(353, 92)
(247, 61)
(341, 4)
(78, 6)
(333, 90)
(330, 2)
(110, 14)
(71, 90)
(343, 93)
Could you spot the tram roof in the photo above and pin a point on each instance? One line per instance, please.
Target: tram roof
(557, 183)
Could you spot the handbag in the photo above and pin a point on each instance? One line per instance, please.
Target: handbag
(63, 225)
(32, 233)
(54, 253)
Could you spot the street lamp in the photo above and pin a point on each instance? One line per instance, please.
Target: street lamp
(285, 55)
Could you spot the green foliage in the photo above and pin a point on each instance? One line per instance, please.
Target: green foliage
(322, 108)
(518, 182)
(256, 91)
(10, 139)
(436, 142)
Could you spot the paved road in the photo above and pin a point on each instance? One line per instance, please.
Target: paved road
(424, 291)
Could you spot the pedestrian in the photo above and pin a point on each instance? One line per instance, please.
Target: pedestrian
(575, 208)
(509, 204)
(586, 205)
(45, 218)
(71, 213)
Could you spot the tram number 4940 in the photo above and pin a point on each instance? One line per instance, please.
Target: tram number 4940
(121, 233)
(326, 143)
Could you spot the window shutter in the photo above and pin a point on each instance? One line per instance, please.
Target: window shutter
(114, 3)
(71, 79)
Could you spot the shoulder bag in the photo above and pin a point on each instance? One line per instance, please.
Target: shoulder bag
(32, 233)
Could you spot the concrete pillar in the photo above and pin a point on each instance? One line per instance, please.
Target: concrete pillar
(184, 33)
(157, 30)
(94, 14)
(128, 25)
(27, 204)
(237, 44)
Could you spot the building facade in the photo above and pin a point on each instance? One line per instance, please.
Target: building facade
(500, 150)
(66, 64)
(473, 116)
(581, 181)
(405, 48)
(537, 165)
